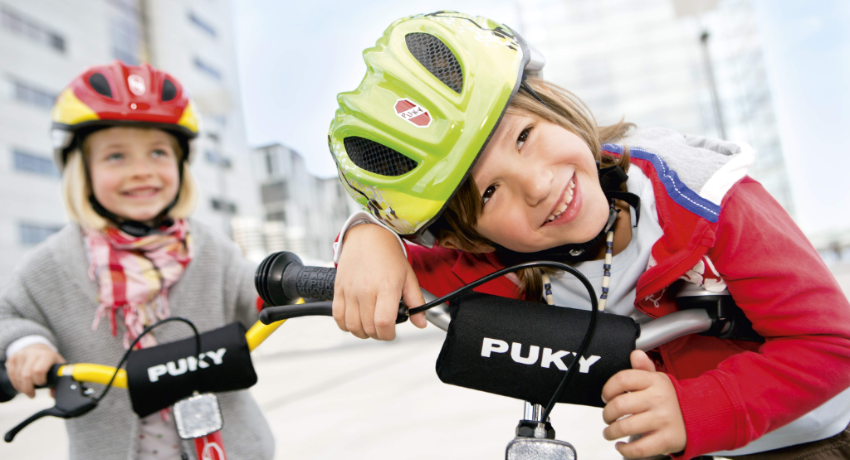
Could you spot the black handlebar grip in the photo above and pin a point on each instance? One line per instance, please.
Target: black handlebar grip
(7, 391)
(310, 282)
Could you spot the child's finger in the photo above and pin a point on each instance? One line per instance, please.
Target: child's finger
(368, 312)
(339, 308)
(649, 445)
(25, 384)
(352, 316)
(641, 423)
(640, 361)
(386, 312)
(625, 404)
(626, 381)
(41, 365)
(412, 296)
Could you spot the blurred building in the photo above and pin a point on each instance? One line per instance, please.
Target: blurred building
(303, 213)
(692, 65)
(45, 43)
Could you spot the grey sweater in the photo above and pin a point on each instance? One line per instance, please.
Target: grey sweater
(51, 295)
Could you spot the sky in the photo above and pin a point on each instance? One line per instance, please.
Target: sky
(294, 57)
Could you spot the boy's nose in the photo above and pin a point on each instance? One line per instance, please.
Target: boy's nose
(535, 183)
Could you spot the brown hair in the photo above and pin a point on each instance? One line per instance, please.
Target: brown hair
(561, 108)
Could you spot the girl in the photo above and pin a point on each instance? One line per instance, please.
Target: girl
(449, 143)
(122, 137)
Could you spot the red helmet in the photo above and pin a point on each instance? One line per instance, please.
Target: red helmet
(120, 95)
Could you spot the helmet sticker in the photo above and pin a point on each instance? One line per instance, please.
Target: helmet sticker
(136, 84)
(415, 114)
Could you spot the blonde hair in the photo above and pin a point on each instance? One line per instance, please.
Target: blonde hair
(76, 190)
(562, 108)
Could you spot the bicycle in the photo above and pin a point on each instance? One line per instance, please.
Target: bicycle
(196, 415)
(281, 277)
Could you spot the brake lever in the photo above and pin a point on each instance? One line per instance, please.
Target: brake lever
(73, 399)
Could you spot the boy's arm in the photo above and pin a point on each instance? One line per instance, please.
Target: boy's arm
(780, 282)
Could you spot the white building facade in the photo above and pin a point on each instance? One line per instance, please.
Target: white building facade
(302, 213)
(45, 43)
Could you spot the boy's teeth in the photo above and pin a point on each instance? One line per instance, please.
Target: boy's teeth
(567, 200)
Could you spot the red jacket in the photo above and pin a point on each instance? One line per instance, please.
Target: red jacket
(730, 392)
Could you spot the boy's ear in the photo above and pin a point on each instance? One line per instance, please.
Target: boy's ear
(450, 241)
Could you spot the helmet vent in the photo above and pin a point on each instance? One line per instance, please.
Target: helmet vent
(437, 58)
(377, 158)
(100, 85)
(169, 91)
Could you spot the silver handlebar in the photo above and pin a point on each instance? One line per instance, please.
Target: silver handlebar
(652, 334)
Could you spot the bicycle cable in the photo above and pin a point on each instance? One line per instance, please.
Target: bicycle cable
(594, 312)
(136, 340)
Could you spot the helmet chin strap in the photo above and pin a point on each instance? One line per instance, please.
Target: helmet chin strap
(610, 179)
(134, 227)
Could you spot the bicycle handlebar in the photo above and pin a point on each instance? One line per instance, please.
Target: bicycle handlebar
(282, 278)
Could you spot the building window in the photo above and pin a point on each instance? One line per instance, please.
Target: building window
(216, 159)
(223, 206)
(274, 192)
(207, 69)
(34, 163)
(270, 163)
(276, 216)
(32, 234)
(31, 29)
(30, 95)
(126, 31)
(203, 25)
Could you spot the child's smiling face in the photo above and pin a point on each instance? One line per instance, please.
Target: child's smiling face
(134, 172)
(539, 184)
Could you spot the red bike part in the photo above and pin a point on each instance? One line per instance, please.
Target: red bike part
(210, 447)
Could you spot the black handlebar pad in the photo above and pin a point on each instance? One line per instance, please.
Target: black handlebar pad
(522, 349)
(159, 376)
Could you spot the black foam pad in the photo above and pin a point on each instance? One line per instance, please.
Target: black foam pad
(522, 349)
(162, 375)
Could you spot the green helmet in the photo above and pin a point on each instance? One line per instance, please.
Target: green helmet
(435, 89)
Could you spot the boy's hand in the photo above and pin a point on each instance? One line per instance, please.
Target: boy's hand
(647, 400)
(371, 277)
(28, 367)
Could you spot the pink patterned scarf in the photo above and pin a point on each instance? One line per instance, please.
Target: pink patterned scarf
(133, 275)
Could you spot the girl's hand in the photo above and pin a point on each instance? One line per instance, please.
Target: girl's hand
(647, 400)
(372, 275)
(28, 367)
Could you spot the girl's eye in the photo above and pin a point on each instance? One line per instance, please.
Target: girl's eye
(523, 136)
(115, 156)
(488, 194)
(159, 153)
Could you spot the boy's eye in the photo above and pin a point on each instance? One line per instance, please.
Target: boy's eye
(159, 153)
(523, 136)
(488, 194)
(115, 156)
